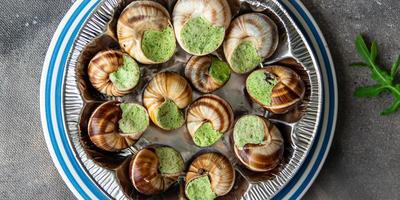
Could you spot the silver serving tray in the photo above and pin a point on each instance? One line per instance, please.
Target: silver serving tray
(110, 170)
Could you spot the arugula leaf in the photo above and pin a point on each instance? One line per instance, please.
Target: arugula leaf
(384, 79)
(369, 91)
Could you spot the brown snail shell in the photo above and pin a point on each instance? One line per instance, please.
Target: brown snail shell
(288, 91)
(217, 12)
(145, 175)
(104, 131)
(166, 86)
(253, 27)
(264, 157)
(101, 66)
(138, 17)
(210, 108)
(197, 71)
(217, 167)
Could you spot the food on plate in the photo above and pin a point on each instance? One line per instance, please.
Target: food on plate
(165, 97)
(145, 32)
(207, 73)
(210, 175)
(208, 118)
(155, 169)
(258, 144)
(278, 89)
(251, 38)
(115, 126)
(113, 73)
(200, 25)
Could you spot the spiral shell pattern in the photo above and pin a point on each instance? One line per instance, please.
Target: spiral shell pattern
(145, 176)
(136, 18)
(265, 157)
(100, 68)
(197, 71)
(255, 27)
(217, 12)
(217, 167)
(210, 108)
(103, 128)
(287, 93)
(166, 85)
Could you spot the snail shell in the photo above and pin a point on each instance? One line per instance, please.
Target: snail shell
(145, 172)
(212, 109)
(137, 18)
(103, 128)
(217, 12)
(103, 65)
(262, 157)
(218, 169)
(256, 28)
(166, 86)
(287, 92)
(198, 72)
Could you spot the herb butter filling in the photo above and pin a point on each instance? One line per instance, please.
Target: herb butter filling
(127, 76)
(200, 37)
(159, 46)
(134, 119)
(248, 130)
(245, 57)
(169, 116)
(219, 70)
(206, 135)
(200, 189)
(259, 85)
(171, 161)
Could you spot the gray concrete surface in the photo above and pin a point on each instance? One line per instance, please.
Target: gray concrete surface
(364, 162)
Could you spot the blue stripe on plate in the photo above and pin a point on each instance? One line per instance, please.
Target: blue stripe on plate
(70, 155)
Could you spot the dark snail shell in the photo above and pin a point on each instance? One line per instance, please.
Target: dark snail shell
(263, 157)
(287, 93)
(145, 175)
(197, 71)
(104, 131)
(217, 167)
(210, 108)
(101, 66)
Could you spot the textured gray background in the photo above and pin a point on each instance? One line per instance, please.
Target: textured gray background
(364, 162)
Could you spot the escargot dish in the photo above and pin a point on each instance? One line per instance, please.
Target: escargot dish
(251, 38)
(207, 73)
(209, 176)
(145, 32)
(208, 118)
(154, 169)
(114, 126)
(200, 25)
(165, 97)
(113, 73)
(276, 88)
(258, 144)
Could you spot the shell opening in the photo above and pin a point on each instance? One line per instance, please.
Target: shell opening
(134, 119)
(249, 130)
(206, 135)
(200, 37)
(245, 57)
(159, 46)
(127, 76)
(219, 71)
(260, 85)
(169, 116)
(171, 162)
(200, 189)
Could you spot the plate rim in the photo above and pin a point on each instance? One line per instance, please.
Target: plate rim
(74, 181)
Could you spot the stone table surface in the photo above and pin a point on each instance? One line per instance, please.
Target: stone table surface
(364, 162)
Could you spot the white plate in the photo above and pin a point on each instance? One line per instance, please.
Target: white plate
(54, 126)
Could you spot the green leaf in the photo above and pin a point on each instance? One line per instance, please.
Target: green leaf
(362, 48)
(369, 91)
(395, 67)
(392, 109)
(377, 76)
(359, 64)
(374, 51)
